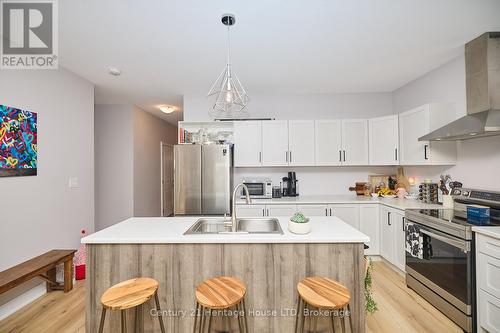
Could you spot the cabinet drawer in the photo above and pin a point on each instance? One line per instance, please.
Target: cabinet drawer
(489, 312)
(489, 274)
(488, 245)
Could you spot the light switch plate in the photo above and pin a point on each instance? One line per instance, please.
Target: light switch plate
(73, 182)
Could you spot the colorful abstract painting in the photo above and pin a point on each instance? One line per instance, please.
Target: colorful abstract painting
(18, 142)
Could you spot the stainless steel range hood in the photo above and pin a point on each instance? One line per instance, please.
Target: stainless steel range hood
(482, 72)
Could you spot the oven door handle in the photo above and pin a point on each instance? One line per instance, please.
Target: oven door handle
(464, 246)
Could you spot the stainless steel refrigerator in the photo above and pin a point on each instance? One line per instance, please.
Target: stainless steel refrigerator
(203, 179)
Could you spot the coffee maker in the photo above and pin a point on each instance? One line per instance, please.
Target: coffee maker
(290, 185)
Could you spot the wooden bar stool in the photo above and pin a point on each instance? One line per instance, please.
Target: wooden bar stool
(129, 294)
(323, 294)
(220, 293)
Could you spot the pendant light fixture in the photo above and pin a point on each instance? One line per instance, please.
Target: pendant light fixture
(230, 96)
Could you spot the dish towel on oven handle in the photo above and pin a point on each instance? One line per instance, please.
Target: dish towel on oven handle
(414, 241)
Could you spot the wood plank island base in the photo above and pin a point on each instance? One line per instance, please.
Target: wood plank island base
(269, 265)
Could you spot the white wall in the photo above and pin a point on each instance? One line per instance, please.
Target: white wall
(478, 159)
(128, 162)
(325, 106)
(149, 132)
(114, 164)
(41, 213)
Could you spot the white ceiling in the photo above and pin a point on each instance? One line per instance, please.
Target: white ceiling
(167, 48)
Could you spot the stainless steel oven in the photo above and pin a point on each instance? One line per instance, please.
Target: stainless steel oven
(444, 275)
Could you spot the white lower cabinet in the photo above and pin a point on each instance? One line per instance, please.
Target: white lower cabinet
(281, 210)
(399, 239)
(250, 210)
(347, 213)
(392, 236)
(369, 224)
(313, 210)
(386, 234)
(488, 283)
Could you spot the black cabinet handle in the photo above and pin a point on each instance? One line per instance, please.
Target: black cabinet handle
(425, 152)
(396, 154)
(326, 211)
(404, 229)
(331, 212)
(290, 156)
(344, 155)
(389, 218)
(340, 155)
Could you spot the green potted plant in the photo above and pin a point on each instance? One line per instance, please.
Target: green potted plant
(299, 224)
(370, 304)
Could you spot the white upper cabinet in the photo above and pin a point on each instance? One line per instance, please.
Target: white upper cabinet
(384, 140)
(275, 143)
(328, 142)
(355, 142)
(301, 142)
(419, 122)
(248, 143)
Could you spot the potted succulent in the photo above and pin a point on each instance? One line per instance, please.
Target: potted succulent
(299, 224)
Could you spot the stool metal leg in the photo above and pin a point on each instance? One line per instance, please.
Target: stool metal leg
(103, 316)
(304, 307)
(209, 321)
(342, 322)
(350, 318)
(238, 314)
(160, 317)
(202, 320)
(245, 315)
(297, 314)
(332, 313)
(315, 329)
(196, 317)
(124, 321)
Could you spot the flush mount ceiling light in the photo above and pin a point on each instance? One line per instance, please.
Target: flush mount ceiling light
(167, 109)
(114, 71)
(230, 96)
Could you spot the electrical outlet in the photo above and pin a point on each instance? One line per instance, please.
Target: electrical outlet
(73, 182)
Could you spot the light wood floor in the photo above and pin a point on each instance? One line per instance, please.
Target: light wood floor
(400, 310)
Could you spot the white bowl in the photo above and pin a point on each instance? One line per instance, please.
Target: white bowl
(299, 228)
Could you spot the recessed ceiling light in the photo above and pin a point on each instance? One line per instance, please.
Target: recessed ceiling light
(114, 71)
(167, 109)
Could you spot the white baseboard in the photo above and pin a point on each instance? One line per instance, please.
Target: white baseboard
(22, 299)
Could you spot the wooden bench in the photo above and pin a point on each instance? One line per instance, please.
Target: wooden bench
(43, 266)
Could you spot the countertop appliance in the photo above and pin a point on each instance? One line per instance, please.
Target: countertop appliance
(482, 56)
(203, 179)
(259, 188)
(290, 185)
(445, 275)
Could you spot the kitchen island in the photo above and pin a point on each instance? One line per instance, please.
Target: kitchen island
(271, 265)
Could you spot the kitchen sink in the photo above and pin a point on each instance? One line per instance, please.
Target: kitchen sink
(243, 226)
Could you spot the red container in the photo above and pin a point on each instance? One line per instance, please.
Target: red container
(80, 272)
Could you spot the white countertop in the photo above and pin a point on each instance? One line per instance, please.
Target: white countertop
(343, 199)
(156, 230)
(488, 231)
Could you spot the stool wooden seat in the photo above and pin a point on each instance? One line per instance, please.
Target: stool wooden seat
(322, 293)
(220, 293)
(129, 294)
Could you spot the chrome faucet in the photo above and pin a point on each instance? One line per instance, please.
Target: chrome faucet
(233, 208)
